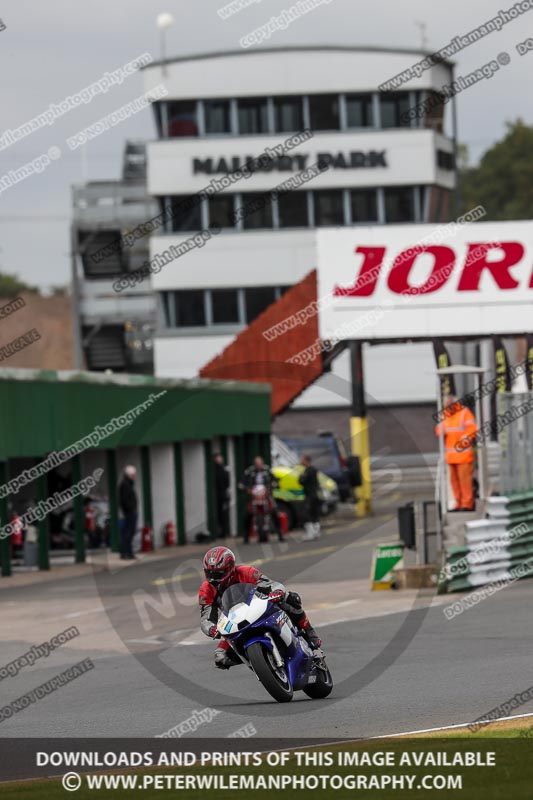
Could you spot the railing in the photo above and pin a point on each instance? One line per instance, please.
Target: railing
(105, 201)
(106, 193)
(515, 435)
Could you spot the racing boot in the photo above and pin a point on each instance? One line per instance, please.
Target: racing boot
(309, 632)
(224, 659)
(313, 638)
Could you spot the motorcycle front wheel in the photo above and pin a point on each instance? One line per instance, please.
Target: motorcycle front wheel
(262, 527)
(274, 679)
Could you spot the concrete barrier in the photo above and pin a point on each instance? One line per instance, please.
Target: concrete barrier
(494, 546)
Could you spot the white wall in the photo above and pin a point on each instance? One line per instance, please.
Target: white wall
(332, 389)
(163, 489)
(163, 486)
(409, 155)
(394, 373)
(91, 460)
(183, 356)
(249, 258)
(400, 373)
(296, 71)
(194, 489)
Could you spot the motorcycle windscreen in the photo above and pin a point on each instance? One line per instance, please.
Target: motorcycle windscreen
(238, 593)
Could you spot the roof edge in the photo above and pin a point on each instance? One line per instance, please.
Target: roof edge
(126, 380)
(298, 48)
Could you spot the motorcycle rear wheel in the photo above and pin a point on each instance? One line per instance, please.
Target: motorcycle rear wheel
(281, 690)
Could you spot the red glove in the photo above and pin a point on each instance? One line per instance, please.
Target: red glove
(213, 632)
(277, 596)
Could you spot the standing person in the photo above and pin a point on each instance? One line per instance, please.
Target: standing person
(459, 429)
(222, 495)
(127, 497)
(309, 481)
(259, 474)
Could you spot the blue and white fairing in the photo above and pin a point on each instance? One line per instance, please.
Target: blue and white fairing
(247, 617)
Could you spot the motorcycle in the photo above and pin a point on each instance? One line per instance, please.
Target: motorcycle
(263, 636)
(261, 512)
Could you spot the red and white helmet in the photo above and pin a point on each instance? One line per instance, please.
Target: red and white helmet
(219, 567)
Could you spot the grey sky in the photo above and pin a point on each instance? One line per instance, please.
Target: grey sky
(51, 50)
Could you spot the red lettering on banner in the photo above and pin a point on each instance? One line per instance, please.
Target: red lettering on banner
(368, 274)
(444, 260)
(443, 264)
(513, 252)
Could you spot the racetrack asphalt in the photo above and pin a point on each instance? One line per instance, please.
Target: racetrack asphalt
(398, 663)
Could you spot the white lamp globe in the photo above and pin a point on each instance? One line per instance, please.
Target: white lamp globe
(164, 21)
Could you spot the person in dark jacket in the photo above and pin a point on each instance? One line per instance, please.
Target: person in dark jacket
(222, 495)
(309, 481)
(127, 498)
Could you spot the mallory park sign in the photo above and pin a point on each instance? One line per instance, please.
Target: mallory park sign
(356, 159)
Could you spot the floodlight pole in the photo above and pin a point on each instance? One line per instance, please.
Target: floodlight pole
(163, 22)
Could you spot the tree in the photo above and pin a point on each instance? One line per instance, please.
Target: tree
(11, 286)
(503, 181)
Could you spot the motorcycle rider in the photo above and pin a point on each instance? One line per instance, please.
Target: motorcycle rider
(221, 572)
(260, 474)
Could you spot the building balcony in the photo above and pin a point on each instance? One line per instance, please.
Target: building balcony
(105, 204)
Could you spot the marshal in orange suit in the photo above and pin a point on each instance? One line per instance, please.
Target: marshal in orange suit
(459, 425)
